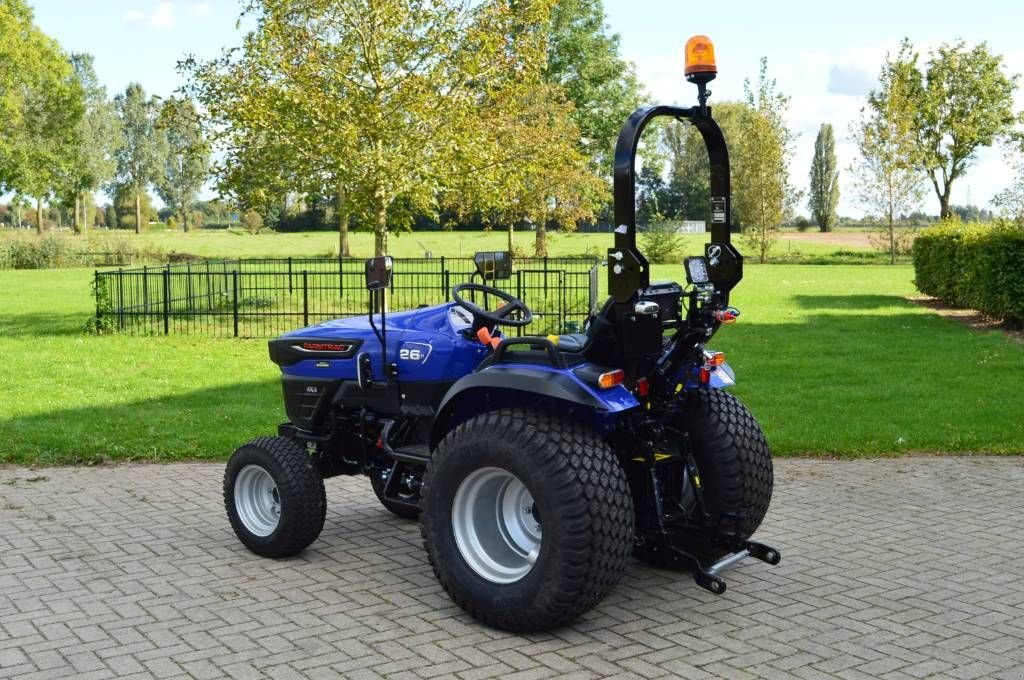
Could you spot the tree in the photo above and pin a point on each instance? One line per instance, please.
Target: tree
(93, 162)
(824, 190)
(40, 108)
(762, 194)
(142, 150)
(964, 101)
(583, 59)
(1009, 202)
(688, 194)
(187, 160)
(887, 178)
(369, 101)
(126, 202)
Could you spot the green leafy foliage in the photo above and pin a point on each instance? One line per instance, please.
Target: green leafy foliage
(887, 177)
(187, 160)
(962, 101)
(583, 59)
(824, 188)
(763, 195)
(41, 106)
(974, 266)
(142, 150)
(662, 243)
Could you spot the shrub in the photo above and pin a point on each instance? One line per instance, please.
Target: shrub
(973, 266)
(40, 252)
(662, 243)
(252, 222)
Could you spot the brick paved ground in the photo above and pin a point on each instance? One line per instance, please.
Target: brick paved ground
(891, 568)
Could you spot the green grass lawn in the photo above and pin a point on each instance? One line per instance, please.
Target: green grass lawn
(832, 360)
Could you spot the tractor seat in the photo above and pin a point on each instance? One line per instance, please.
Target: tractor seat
(571, 342)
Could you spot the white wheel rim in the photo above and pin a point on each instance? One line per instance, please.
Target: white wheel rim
(257, 500)
(496, 525)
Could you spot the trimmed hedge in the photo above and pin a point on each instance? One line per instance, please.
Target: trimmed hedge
(975, 266)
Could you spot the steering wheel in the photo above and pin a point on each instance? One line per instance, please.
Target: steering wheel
(498, 316)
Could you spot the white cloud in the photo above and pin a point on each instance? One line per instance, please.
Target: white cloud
(133, 16)
(162, 18)
(199, 9)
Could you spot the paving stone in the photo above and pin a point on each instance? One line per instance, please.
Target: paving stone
(891, 568)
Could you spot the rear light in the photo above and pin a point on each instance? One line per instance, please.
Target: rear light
(643, 388)
(611, 379)
(713, 359)
(705, 376)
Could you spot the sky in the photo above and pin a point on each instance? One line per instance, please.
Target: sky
(824, 55)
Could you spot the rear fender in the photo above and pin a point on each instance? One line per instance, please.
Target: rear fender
(513, 385)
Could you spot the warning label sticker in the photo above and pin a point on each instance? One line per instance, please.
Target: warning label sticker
(718, 210)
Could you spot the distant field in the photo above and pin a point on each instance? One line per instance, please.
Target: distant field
(832, 359)
(222, 243)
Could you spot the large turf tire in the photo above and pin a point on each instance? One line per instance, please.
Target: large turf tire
(735, 465)
(299, 488)
(580, 494)
(377, 480)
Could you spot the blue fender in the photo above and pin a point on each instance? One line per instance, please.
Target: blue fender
(511, 385)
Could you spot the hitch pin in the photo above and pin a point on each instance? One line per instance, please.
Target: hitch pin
(728, 561)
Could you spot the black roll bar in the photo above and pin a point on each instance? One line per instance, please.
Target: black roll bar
(628, 269)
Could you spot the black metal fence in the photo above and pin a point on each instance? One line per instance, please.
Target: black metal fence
(266, 297)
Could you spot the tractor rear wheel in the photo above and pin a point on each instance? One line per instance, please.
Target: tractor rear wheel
(274, 497)
(527, 518)
(735, 471)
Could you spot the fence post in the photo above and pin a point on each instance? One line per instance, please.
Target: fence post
(341, 281)
(289, 274)
(96, 292)
(145, 288)
(167, 300)
(305, 298)
(120, 298)
(188, 286)
(234, 299)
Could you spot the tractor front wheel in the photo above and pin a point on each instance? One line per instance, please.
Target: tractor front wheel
(274, 497)
(527, 518)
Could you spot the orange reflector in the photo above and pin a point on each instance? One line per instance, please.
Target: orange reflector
(700, 55)
(714, 359)
(611, 379)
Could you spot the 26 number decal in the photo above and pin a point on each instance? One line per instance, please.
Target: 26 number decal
(414, 351)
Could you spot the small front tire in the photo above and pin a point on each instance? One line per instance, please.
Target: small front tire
(274, 497)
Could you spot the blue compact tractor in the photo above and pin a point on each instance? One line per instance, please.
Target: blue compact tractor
(536, 466)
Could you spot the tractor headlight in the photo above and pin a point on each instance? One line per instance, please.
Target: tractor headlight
(697, 269)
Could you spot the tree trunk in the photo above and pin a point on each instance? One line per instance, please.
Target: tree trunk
(85, 217)
(511, 237)
(892, 240)
(184, 219)
(540, 243)
(944, 210)
(75, 224)
(380, 230)
(341, 205)
(39, 216)
(138, 213)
